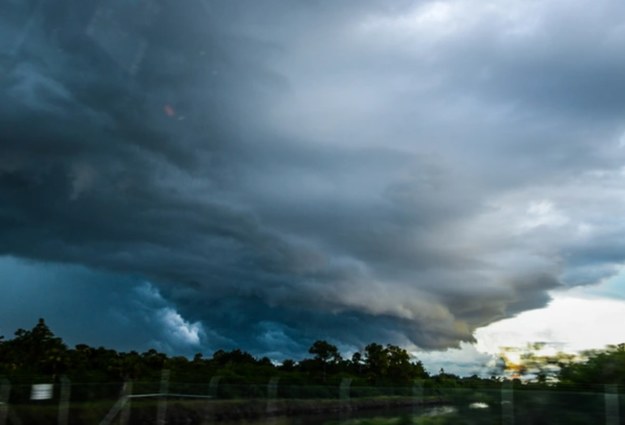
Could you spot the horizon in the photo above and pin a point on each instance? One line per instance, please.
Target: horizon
(510, 363)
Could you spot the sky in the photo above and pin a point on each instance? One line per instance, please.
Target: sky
(446, 176)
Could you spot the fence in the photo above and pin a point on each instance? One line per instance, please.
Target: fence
(160, 402)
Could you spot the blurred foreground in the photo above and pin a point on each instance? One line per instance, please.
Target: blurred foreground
(45, 382)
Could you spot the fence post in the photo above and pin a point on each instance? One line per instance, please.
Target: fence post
(122, 405)
(124, 416)
(417, 395)
(611, 404)
(344, 395)
(5, 392)
(213, 386)
(344, 389)
(209, 411)
(272, 394)
(507, 402)
(66, 388)
(161, 414)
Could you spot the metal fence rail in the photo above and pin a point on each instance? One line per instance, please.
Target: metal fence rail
(65, 402)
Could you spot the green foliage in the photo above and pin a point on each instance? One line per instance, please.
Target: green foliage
(379, 372)
(325, 352)
(600, 367)
(391, 364)
(38, 353)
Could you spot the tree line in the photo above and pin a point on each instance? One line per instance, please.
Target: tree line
(39, 353)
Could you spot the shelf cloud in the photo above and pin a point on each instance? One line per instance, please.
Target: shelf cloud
(282, 172)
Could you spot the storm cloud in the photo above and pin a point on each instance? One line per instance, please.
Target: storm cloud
(403, 172)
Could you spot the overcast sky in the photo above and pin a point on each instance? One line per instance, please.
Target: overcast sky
(214, 174)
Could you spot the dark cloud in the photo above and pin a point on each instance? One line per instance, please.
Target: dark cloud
(97, 308)
(282, 172)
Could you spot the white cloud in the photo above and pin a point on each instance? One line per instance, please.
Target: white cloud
(583, 318)
(440, 21)
(463, 361)
(179, 329)
(173, 328)
(543, 213)
(574, 320)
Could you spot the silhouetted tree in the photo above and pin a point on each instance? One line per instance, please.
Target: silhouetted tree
(287, 365)
(35, 351)
(325, 353)
(376, 361)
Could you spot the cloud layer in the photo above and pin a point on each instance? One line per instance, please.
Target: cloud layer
(299, 170)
